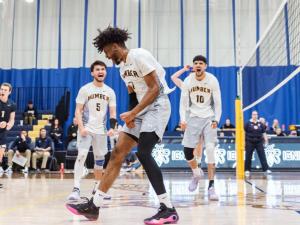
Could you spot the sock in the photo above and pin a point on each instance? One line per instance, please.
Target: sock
(211, 184)
(164, 198)
(96, 185)
(196, 172)
(98, 198)
(199, 161)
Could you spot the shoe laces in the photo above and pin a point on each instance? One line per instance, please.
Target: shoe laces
(160, 210)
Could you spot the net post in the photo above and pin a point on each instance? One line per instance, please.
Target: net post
(239, 139)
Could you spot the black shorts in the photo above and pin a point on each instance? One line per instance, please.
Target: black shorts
(3, 137)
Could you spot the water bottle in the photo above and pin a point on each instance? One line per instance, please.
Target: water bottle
(62, 168)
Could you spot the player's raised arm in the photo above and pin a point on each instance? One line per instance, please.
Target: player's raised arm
(175, 77)
(184, 99)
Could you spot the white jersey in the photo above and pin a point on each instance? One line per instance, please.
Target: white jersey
(139, 63)
(96, 101)
(203, 97)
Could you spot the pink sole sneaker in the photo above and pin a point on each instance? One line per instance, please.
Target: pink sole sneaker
(170, 220)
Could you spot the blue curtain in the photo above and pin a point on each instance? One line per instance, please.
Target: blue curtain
(35, 83)
(283, 105)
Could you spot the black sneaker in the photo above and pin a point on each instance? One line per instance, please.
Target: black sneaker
(165, 215)
(87, 209)
(1, 185)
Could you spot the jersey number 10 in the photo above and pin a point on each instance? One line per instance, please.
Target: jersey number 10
(200, 98)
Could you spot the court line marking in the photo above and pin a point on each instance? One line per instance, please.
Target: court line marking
(256, 187)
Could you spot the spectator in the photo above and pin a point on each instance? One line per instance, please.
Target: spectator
(228, 125)
(30, 114)
(72, 131)
(42, 150)
(255, 137)
(275, 125)
(264, 122)
(56, 132)
(279, 132)
(293, 133)
(228, 129)
(21, 146)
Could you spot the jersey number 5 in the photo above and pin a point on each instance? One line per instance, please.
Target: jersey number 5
(2, 114)
(200, 98)
(98, 106)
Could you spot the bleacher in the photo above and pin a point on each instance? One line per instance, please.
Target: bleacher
(33, 130)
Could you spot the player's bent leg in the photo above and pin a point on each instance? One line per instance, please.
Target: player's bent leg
(91, 208)
(78, 173)
(197, 172)
(123, 146)
(166, 213)
(210, 154)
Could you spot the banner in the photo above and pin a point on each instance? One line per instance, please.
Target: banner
(279, 155)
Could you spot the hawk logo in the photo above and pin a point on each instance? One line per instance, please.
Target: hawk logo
(220, 154)
(161, 154)
(273, 155)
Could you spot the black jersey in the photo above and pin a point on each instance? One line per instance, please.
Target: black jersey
(6, 108)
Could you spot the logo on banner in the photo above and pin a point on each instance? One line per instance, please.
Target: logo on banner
(161, 154)
(273, 155)
(220, 154)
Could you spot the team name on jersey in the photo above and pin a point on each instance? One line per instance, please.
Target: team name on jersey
(100, 96)
(130, 73)
(200, 89)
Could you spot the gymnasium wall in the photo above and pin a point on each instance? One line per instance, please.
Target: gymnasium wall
(48, 43)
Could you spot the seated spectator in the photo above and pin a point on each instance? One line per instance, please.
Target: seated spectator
(21, 146)
(30, 114)
(279, 132)
(228, 125)
(42, 149)
(56, 132)
(293, 133)
(228, 129)
(264, 122)
(72, 131)
(275, 125)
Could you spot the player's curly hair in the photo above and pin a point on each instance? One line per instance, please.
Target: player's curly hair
(111, 35)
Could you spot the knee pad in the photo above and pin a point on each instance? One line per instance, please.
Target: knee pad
(210, 152)
(188, 153)
(99, 164)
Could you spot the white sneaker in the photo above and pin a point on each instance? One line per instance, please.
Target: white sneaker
(212, 194)
(107, 197)
(25, 170)
(268, 172)
(8, 170)
(247, 173)
(75, 195)
(194, 183)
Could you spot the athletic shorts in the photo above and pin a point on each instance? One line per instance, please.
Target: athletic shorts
(97, 141)
(154, 119)
(196, 127)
